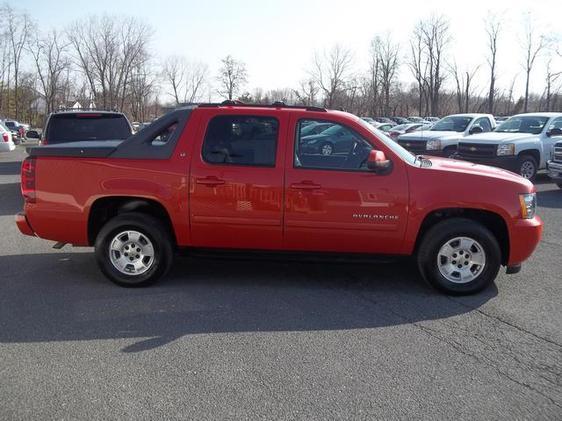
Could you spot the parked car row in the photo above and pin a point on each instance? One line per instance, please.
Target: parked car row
(522, 143)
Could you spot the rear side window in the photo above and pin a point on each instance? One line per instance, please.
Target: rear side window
(87, 126)
(241, 140)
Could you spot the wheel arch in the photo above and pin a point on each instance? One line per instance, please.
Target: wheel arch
(105, 208)
(491, 220)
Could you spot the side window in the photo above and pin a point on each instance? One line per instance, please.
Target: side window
(241, 140)
(556, 124)
(336, 147)
(484, 123)
(163, 137)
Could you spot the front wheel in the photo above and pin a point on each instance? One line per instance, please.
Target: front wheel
(527, 166)
(327, 149)
(459, 256)
(134, 250)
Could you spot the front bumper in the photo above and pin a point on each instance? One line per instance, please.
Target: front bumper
(525, 235)
(506, 162)
(23, 224)
(554, 171)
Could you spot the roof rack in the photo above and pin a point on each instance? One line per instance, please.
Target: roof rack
(276, 104)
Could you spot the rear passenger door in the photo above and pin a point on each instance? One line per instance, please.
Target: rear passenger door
(236, 182)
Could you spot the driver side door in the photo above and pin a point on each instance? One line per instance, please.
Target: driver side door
(334, 203)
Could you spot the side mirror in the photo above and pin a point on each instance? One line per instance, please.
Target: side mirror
(554, 132)
(475, 129)
(378, 163)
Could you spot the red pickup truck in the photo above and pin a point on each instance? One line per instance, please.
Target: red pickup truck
(231, 176)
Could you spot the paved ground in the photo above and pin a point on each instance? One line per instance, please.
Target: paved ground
(235, 339)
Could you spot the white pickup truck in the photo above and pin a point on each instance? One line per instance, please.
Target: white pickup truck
(443, 138)
(522, 144)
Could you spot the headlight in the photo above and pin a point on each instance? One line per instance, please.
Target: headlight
(506, 149)
(528, 204)
(433, 145)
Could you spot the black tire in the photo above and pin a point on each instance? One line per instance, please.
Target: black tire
(156, 232)
(559, 185)
(326, 145)
(524, 163)
(450, 152)
(442, 233)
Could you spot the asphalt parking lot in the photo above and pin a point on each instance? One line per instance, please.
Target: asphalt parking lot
(268, 340)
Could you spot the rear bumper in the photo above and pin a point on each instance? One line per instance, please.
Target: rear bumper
(525, 235)
(505, 162)
(554, 171)
(23, 224)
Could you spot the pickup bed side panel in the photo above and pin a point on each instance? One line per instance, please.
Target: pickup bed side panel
(67, 188)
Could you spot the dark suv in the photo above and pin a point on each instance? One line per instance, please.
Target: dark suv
(83, 125)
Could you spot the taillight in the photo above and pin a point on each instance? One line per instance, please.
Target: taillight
(6, 137)
(28, 179)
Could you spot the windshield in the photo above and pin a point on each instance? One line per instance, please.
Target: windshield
(523, 124)
(452, 124)
(388, 142)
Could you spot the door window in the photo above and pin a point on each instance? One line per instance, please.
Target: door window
(484, 124)
(337, 147)
(241, 140)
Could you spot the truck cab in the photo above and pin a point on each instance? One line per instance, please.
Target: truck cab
(443, 137)
(239, 177)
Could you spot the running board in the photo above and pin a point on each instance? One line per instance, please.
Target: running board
(59, 245)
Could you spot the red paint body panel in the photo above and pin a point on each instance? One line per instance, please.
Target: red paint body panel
(268, 207)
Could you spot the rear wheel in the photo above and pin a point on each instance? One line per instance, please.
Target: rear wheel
(134, 249)
(459, 256)
(527, 166)
(559, 185)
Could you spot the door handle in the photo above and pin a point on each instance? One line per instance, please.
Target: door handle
(209, 181)
(306, 185)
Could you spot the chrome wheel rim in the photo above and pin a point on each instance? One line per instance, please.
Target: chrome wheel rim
(461, 260)
(131, 253)
(326, 150)
(527, 169)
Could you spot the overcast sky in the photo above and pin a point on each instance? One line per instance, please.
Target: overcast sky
(277, 39)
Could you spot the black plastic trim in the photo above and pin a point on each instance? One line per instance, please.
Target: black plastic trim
(83, 149)
(139, 146)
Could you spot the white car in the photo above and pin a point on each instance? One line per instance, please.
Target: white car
(522, 144)
(6, 142)
(443, 137)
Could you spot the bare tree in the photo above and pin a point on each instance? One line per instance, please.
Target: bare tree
(106, 50)
(551, 78)
(18, 28)
(388, 62)
(374, 75)
(493, 28)
(330, 71)
(533, 44)
(186, 79)
(51, 64)
(232, 77)
(417, 65)
(464, 86)
(307, 92)
(435, 38)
